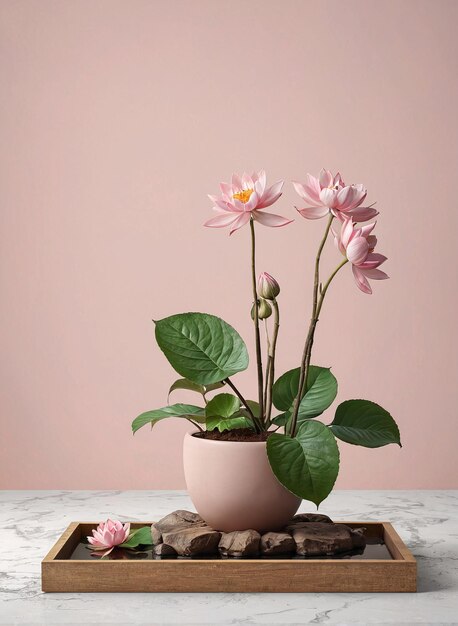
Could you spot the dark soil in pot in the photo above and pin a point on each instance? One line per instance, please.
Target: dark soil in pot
(238, 434)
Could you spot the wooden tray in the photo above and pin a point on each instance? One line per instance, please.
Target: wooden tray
(59, 573)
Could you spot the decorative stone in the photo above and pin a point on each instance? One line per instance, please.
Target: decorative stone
(183, 533)
(277, 543)
(240, 543)
(156, 535)
(323, 539)
(179, 519)
(193, 540)
(310, 517)
(162, 549)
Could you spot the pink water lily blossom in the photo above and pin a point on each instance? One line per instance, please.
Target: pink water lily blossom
(108, 535)
(329, 193)
(245, 198)
(357, 245)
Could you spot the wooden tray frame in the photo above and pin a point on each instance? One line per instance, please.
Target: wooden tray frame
(60, 574)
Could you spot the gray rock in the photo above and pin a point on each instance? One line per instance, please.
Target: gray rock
(240, 543)
(323, 538)
(162, 549)
(156, 535)
(179, 519)
(277, 543)
(192, 540)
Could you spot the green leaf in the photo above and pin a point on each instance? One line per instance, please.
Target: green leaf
(140, 537)
(320, 392)
(214, 386)
(200, 347)
(364, 423)
(223, 412)
(306, 464)
(222, 405)
(184, 383)
(282, 419)
(229, 423)
(285, 389)
(188, 411)
(254, 406)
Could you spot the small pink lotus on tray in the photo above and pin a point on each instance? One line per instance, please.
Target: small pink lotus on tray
(108, 535)
(251, 460)
(114, 534)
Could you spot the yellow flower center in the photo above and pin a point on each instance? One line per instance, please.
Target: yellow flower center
(243, 196)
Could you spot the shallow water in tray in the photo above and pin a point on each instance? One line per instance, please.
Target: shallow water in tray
(373, 550)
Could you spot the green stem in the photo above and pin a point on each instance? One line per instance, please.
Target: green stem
(312, 329)
(326, 286)
(256, 323)
(255, 421)
(196, 424)
(272, 351)
(266, 378)
(306, 354)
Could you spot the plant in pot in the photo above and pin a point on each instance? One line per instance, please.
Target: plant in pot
(248, 466)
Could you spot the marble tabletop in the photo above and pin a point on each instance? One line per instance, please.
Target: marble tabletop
(31, 521)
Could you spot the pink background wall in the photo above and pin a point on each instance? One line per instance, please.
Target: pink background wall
(117, 118)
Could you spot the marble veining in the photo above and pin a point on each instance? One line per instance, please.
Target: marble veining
(31, 521)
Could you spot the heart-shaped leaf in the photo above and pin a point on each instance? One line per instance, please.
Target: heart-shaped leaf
(222, 405)
(364, 423)
(306, 464)
(200, 347)
(224, 413)
(320, 391)
(188, 411)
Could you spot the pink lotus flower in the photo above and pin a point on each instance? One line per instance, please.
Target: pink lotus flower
(108, 535)
(244, 199)
(357, 244)
(329, 193)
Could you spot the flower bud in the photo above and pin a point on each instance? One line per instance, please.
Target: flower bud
(264, 310)
(268, 287)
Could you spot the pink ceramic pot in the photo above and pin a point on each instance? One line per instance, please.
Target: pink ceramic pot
(233, 487)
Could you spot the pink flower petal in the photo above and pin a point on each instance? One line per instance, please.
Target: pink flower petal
(372, 261)
(220, 221)
(357, 250)
(241, 220)
(361, 281)
(219, 202)
(247, 181)
(326, 178)
(348, 232)
(328, 197)
(375, 274)
(313, 212)
(307, 194)
(271, 195)
(270, 219)
(236, 183)
(260, 181)
(372, 241)
(366, 230)
(350, 197)
(252, 202)
(226, 189)
(362, 214)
